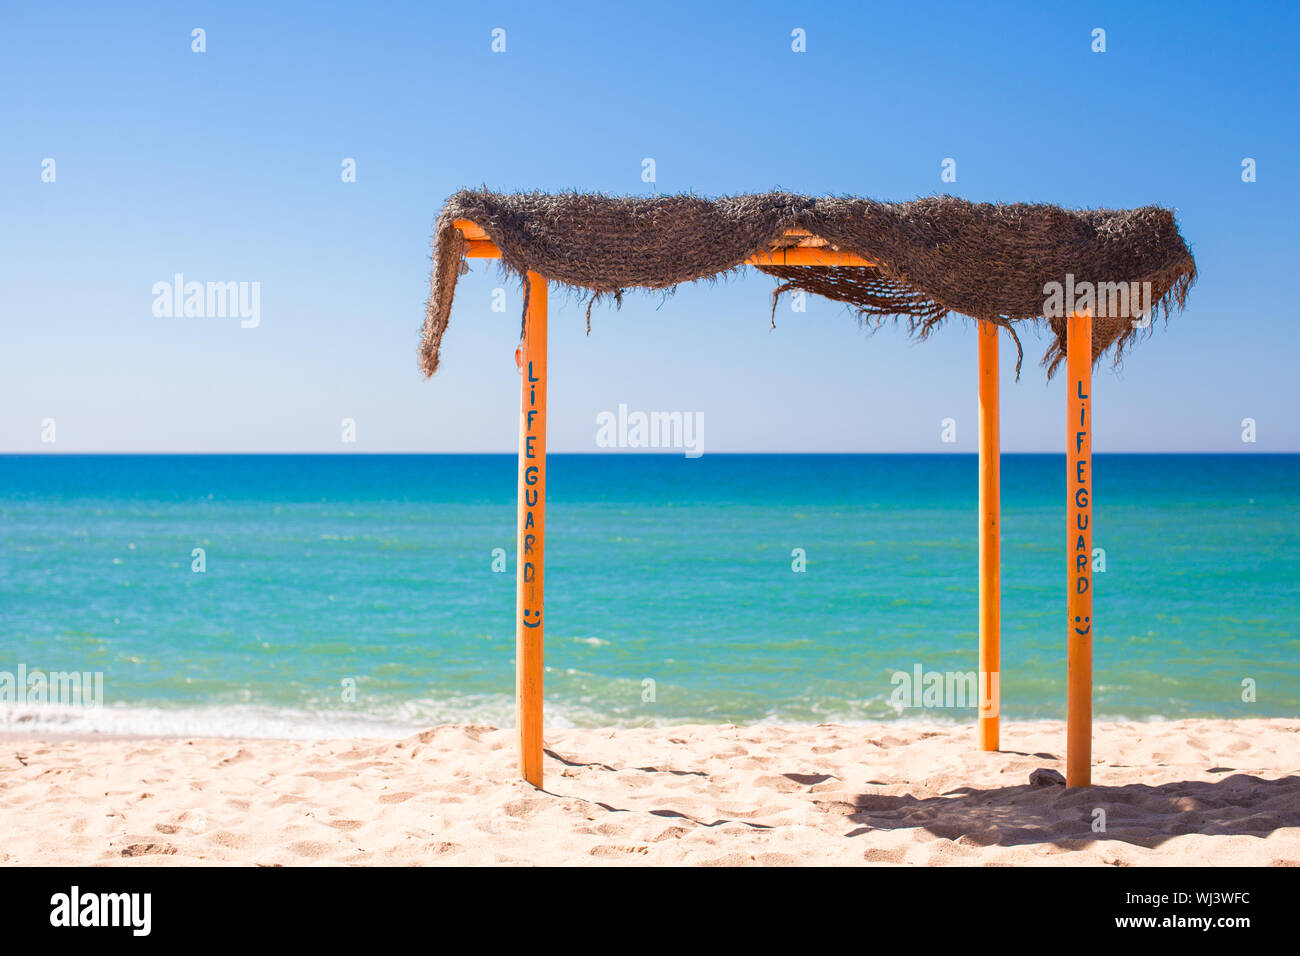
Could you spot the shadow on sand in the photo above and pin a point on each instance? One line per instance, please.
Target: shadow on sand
(1142, 815)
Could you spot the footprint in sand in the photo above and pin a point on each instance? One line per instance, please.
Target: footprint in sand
(149, 849)
(239, 757)
(884, 855)
(608, 852)
(230, 840)
(672, 833)
(303, 786)
(309, 848)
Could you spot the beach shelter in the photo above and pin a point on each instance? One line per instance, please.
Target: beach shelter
(1096, 278)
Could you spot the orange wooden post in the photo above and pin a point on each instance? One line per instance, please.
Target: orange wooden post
(990, 547)
(1079, 623)
(530, 555)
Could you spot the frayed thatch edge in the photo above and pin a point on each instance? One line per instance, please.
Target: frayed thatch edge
(448, 247)
(919, 326)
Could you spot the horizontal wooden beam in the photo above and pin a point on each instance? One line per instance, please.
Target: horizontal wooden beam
(481, 249)
(469, 230)
(811, 250)
(807, 256)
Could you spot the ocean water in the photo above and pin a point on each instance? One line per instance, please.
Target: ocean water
(357, 594)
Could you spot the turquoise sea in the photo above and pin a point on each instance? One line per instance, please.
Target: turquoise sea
(329, 573)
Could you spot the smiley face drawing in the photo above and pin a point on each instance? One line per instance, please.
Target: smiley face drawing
(532, 623)
(1082, 625)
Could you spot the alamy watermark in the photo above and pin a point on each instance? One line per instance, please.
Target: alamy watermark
(59, 688)
(1105, 300)
(131, 911)
(208, 300)
(945, 689)
(626, 429)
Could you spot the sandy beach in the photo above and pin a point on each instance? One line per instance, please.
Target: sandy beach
(1173, 793)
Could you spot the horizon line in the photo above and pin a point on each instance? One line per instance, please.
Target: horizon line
(675, 453)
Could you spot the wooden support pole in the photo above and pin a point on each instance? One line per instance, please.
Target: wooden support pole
(530, 555)
(1079, 622)
(990, 546)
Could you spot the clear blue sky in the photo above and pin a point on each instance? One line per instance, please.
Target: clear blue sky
(226, 166)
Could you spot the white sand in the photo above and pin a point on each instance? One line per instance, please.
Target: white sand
(1181, 792)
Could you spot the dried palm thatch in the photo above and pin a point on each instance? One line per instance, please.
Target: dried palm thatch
(930, 256)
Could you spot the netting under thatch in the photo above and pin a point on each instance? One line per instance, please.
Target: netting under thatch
(931, 256)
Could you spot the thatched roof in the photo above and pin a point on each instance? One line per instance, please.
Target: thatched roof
(929, 257)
